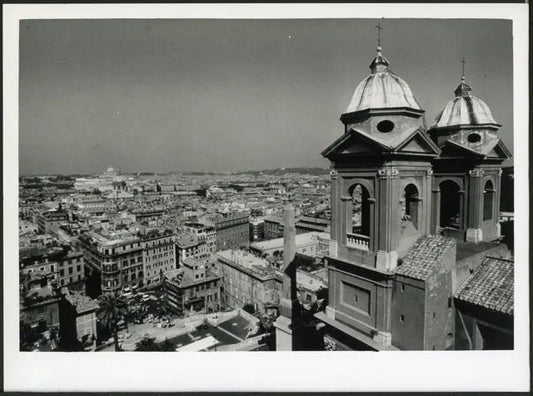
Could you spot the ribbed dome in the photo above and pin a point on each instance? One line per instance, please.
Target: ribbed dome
(382, 89)
(464, 109)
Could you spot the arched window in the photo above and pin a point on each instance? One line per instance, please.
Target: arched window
(488, 200)
(410, 205)
(450, 205)
(358, 224)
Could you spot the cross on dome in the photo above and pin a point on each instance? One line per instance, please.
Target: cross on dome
(463, 89)
(379, 28)
(380, 63)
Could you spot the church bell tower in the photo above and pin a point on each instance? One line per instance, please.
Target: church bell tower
(467, 178)
(381, 181)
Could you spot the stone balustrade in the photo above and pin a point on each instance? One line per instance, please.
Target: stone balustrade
(358, 241)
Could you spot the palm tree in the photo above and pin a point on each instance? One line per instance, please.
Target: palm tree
(147, 344)
(167, 346)
(112, 309)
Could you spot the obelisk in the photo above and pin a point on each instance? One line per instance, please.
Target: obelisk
(289, 321)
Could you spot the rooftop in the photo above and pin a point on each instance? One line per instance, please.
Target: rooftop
(244, 259)
(301, 240)
(491, 286)
(186, 240)
(420, 259)
(275, 219)
(113, 238)
(314, 220)
(81, 303)
(249, 262)
(308, 281)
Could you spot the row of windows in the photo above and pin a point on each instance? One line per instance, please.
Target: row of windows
(132, 277)
(71, 261)
(204, 286)
(156, 243)
(163, 249)
(159, 256)
(71, 280)
(159, 264)
(131, 261)
(122, 248)
(70, 270)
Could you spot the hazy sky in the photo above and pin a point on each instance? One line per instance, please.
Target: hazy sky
(178, 95)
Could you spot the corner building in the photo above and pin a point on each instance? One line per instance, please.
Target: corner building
(402, 199)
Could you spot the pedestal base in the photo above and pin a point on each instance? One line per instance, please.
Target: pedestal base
(330, 312)
(383, 338)
(386, 261)
(284, 334)
(474, 235)
(333, 248)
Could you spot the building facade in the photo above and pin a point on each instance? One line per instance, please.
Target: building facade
(257, 229)
(273, 227)
(233, 230)
(195, 287)
(248, 280)
(116, 259)
(204, 233)
(158, 255)
(189, 245)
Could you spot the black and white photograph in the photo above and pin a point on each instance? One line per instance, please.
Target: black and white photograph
(342, 187)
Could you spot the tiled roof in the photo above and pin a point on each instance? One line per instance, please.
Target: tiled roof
(82, 303)
(420, 259)
(491, 286)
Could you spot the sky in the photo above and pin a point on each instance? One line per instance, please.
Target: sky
(230, 95)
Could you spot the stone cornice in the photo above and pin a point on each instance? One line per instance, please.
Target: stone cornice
(478, 172)
(388, 172)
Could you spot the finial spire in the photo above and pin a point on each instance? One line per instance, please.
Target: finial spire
(379, 64)
(463, 89)
(463, 61)
(379, 28)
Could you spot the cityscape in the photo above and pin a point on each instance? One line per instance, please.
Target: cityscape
(405, 242)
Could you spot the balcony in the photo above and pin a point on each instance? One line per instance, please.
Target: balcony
(357, 241)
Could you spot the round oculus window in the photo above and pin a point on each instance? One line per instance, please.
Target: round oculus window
(385, 126)
(474, 137)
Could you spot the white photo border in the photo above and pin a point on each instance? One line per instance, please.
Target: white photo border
(281, 371)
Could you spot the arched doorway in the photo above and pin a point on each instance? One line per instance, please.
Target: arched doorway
(488, 201)
(450, 205)
(358, 224)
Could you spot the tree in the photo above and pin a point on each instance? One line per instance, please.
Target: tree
(167, 346)
(147, 344)
(112, 309)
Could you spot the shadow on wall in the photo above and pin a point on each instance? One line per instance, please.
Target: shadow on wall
(507, 230)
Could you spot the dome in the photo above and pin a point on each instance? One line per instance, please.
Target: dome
(110, 169)
(464, 109)
(382, 89)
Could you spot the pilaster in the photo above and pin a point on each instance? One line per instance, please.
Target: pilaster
(387, 231)
(474, 232)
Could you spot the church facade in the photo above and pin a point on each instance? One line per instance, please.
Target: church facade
(414, 214)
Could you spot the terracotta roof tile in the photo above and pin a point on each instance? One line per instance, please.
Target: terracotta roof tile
(420, 259)
(491, 286)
